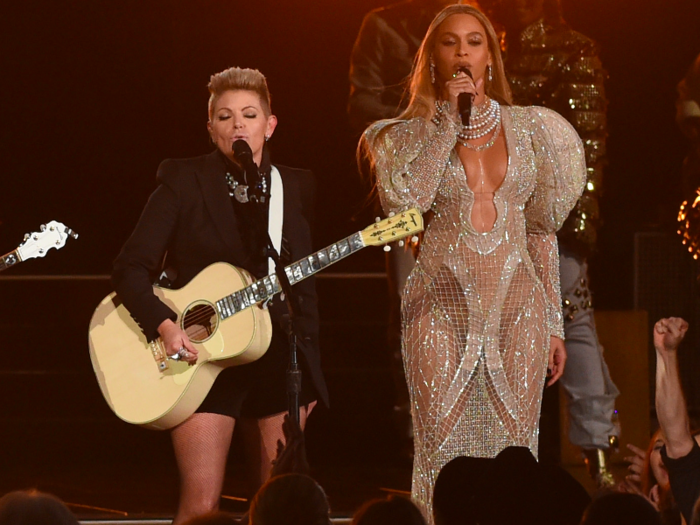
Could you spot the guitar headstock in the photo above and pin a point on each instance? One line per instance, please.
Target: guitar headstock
(394, 228)
(52, 235)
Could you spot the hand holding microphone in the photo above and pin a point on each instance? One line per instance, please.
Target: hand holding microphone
(460, 91)
(464, 100)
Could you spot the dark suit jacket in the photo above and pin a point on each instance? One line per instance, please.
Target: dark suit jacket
(190, 217)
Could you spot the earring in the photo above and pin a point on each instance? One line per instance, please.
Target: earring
(267, 137)
(490, 72)
(432, 71)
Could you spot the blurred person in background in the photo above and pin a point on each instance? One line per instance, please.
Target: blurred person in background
(549, 64)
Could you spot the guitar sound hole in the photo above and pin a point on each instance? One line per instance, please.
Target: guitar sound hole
(200, 322)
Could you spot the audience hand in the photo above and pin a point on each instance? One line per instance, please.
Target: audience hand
(633, 481)
(291, 457)
(668, 334)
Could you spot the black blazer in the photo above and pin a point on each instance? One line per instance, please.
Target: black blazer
(190, 218)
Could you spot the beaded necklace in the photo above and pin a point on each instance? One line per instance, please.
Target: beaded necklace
(484, 119)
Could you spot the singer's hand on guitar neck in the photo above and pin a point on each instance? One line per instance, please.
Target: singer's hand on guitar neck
(175, 338)
(461, 83)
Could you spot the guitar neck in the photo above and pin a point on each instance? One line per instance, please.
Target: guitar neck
(9, 259)
(267, 287)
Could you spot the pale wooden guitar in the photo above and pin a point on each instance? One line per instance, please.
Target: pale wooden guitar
(51, 235)
(142, 386)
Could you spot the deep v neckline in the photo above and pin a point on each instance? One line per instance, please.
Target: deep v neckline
(509, 155)
(505, 122)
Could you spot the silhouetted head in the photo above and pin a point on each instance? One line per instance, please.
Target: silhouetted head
(214, 518)
(393, 510)
(34, 508)
(290, 499)
(510, 488)
(621, 509)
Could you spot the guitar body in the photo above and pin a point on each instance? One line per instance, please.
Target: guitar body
(219, 310)
(145, 388)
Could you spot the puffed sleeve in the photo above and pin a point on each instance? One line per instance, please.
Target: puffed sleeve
(561, 175)
(409, 159)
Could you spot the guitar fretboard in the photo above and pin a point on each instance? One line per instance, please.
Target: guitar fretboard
(266, 287)
(8, 260)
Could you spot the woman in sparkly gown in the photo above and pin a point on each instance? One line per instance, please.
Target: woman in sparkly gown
(482, 308)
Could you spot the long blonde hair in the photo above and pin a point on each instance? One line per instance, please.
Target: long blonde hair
(423, 92)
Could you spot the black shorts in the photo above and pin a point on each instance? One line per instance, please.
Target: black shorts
(258, 389)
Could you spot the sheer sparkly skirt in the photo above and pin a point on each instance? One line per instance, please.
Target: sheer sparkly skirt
(475, 347)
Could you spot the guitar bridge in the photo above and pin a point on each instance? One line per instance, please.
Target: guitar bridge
(159, 354)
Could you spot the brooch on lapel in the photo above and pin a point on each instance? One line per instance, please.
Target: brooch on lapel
(236, 190)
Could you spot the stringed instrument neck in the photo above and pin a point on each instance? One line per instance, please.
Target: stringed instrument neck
(9, 259)
(394, 228)
(265, 288)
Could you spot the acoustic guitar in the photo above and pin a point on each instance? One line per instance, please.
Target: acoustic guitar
(143, 387)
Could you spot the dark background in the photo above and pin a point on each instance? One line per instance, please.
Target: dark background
(95, 93)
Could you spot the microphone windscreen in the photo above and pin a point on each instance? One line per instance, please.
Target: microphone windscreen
(467, 71)
(241, 149)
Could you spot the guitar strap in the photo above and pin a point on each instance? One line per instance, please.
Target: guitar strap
(276, 214)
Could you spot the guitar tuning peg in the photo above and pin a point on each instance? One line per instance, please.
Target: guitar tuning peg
(43, 227)
(401, 243)
(387, 248)
(414, 239)
(391, 214)
(26, 236)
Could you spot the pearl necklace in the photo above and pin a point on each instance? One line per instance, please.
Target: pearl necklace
(484, 119)
(485, 145)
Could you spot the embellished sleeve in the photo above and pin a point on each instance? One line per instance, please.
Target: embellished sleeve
(561, 175)
(409, 159)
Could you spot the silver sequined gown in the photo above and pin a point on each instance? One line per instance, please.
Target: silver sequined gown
(479, 308)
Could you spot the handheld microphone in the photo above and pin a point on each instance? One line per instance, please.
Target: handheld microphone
(464, 100)
(244, 155)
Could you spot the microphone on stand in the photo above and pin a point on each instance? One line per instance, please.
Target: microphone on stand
(464, 100)
(244, 156)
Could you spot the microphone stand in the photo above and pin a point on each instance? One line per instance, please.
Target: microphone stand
(289, 322)
(292, 328)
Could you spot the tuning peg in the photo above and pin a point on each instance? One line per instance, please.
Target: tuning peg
(387, 248)
(26, 236)
(391, 214)
(414, 239)
(43, 227)
(401, 243)
(377, 219)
